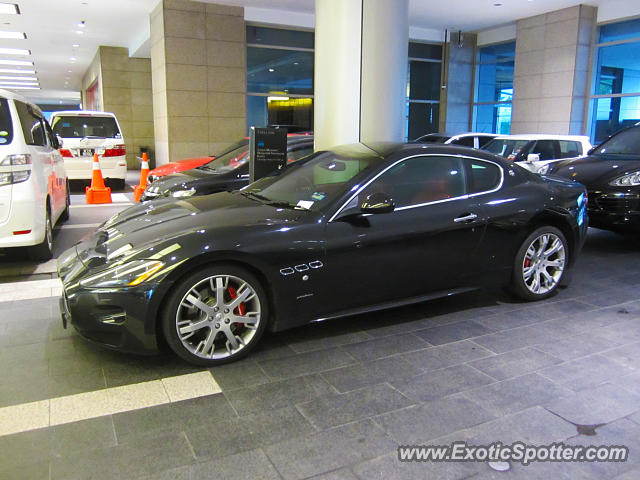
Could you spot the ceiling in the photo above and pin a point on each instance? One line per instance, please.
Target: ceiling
(62, 55)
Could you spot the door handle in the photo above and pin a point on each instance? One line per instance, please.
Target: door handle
(466, 218)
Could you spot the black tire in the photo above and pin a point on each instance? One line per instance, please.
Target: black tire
(174, 307)
(537, 264)
(44, 250)
(117, 183)
(64, 216)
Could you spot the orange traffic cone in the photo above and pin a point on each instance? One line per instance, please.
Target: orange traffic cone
(97, 192)
(144, 172)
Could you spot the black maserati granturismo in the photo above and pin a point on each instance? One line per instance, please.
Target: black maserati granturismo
(353, 229)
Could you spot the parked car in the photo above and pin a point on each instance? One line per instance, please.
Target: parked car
(611, 173)
(86, 132)
(34, 191)
(226, 172)
(473, 140)
(535, 152)
(351, 230)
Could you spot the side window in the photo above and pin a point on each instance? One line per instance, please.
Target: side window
(32, 126)
(546, 149)
(482, 141)
(51, 138)
(421, 180)
(570, 149)
(483, 176)
(465, 141)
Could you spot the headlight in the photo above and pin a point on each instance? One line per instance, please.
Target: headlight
(183, 193)
(543, 170)
(629, 180)
(128, 274)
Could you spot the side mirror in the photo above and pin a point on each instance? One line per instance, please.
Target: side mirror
(377, 203)
(533, 157)
(60, 142)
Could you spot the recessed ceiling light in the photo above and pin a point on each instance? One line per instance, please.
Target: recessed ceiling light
(22, 88)
(17, 70)
(9, 9)
(14, 51)
(12, 35)
(75, 45)
(16, 62)
(8, 77)
(30, 84)
(81, 24)
(272, 69)
(79, 32)
(72, 59)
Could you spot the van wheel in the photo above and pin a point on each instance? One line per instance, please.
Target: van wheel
(44, 251)
(64, 216)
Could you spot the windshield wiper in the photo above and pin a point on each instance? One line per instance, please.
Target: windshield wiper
(270, 202)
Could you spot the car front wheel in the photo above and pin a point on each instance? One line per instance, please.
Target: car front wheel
(540, 264)
(215, 315)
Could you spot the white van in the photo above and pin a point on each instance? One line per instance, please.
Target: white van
(85, 132)
(34, 191)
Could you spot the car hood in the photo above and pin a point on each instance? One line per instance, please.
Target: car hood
(597, 170)
(190, 178)
(153, 223)
(179, 166)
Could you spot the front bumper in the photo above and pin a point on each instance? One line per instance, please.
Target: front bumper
(117, 318)
(615, 211)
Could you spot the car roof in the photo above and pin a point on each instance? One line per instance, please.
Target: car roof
(83, 113)
(541, 136)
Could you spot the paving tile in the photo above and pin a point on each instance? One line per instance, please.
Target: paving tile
(229, 437)
(239, 375)
(369, 373)
(25, 448)
(520, 393)
(62, 385)
(326, 335)
(338, 409)
(602, 404)
(24, 417)
(203, 411)
(419, 424)
(385, 346)
(253, 464)
(514, 363)
(190, 385)
(453, 332)
(159, 420)
(440, 383)
(81, 436)
(341, 474)
(278, 394)
(513, 339)
(586, 372)
(99, 464)
(329, 450)
(36, 471)
(627, 355)
(446, 355)
(624, 332)
(576, 346)
(508, 320)
(630, 382)
(307, 363)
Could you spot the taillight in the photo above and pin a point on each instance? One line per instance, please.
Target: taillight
(65, 152)
(116, 151)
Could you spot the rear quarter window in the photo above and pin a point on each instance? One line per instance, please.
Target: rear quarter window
(31, 123)
(483, 176)
(6, 126)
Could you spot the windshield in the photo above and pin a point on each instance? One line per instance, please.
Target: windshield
(75, 126)
(627, 142)
(229, 160)
(311, 183)
(6, 127)
(506, 148)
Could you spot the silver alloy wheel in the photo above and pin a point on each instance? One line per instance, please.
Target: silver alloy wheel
(543, 263)
(48, 232)
(218, 317)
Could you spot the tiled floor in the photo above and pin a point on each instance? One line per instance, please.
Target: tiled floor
(334, 400)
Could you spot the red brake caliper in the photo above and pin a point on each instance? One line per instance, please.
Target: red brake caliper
(240, 309)
(527, 262)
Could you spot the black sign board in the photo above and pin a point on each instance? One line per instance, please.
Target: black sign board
(267, 151)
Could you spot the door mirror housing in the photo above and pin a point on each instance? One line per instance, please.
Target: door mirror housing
(533, 157)
(378, 202)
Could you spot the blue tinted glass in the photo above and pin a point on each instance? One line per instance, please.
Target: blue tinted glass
(256, 112)
(279, 37)
(613, 114)
(618, 69)
(492, 118)
(279, 71)
(620, 31)
(497, 53)
(494, 82)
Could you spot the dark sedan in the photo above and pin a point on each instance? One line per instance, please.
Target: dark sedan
(353, 229)
(611, 173)
(227, 172)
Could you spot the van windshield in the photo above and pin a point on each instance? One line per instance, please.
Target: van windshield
(85, 127)
(6, 127)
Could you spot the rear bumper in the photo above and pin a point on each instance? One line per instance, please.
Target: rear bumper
(25, 214)
(80, 168)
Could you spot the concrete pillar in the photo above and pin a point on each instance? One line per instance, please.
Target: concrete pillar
(124, 88)
(455, 100)
(551, 88)
(198, 66)
(360, 71)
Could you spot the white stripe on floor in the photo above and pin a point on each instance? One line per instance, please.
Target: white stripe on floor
(99, 403)
(51, 287)
(78, 225)
(97, 205)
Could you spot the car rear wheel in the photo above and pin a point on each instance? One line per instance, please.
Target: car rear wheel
(44, 250)
(64, 216)
(216, 315)
(540, 264)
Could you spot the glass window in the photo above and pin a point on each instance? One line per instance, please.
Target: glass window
(618, 69)
(569, 149)
(32, 128)
(483, 176)
(497, 53)
(423, 89)
(493, 118)
(464, 141)
(611, 114)
(494, 82)
(626, 142)
(272, 70)
(421, 180)
(424, 80)
(507, 148)
(85, 126)
(296, 153)
(229, 161)
(423, 118)
(620, 31)
(546, 149)
(483, 140)
(6, 126)
(425, 50)
(279, 37)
